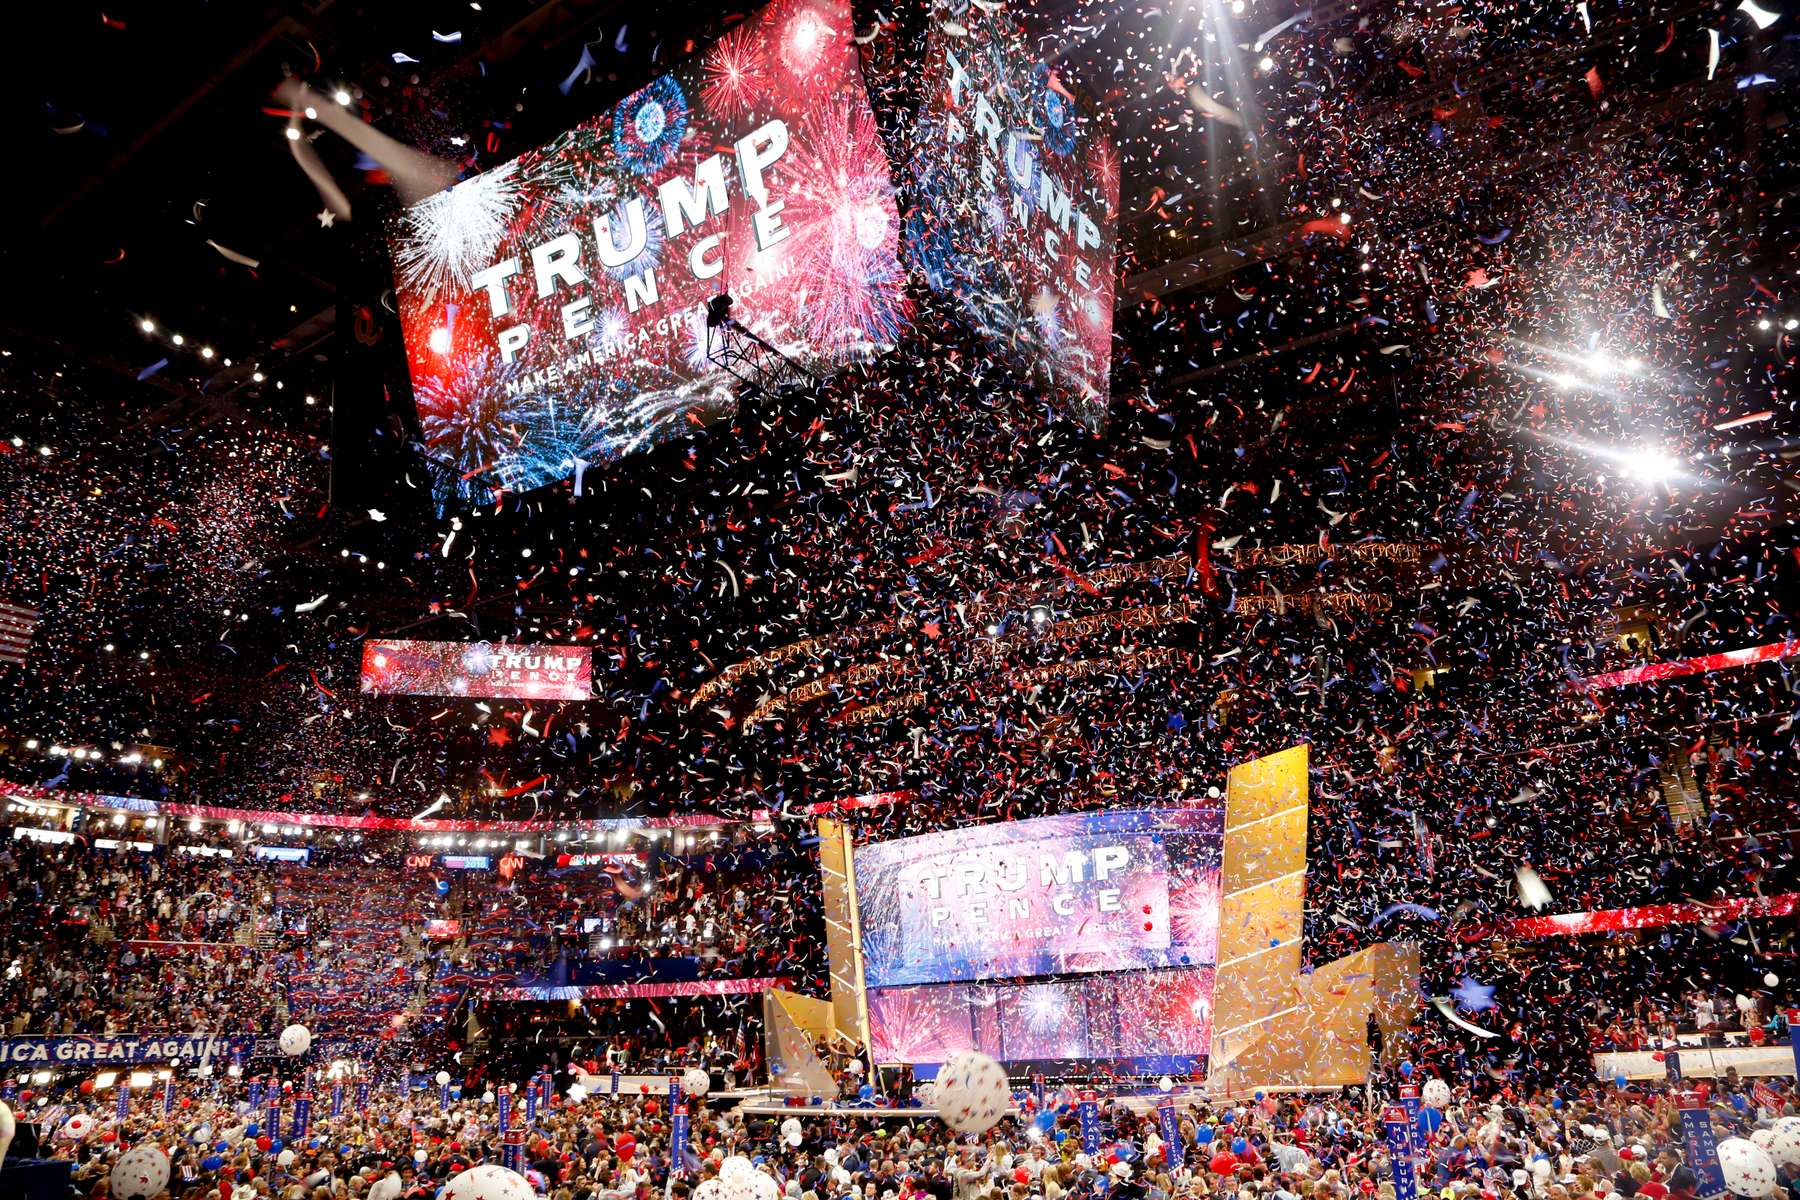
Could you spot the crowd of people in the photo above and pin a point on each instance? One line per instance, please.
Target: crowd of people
(1490, 1140)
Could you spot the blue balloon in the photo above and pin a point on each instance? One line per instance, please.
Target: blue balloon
(1259, 1097)
(1239, 1145)
(1556, 1102)
(211, 1162)
(865, 1092)
(1429, 1121)
(1620, 1080)
(1043, 1121)
(1406, 1069)
(222, 1147)
(275, 1145)
(1204, 1134)
(1740, 1102)
(252, 1129)
(1060, 1135)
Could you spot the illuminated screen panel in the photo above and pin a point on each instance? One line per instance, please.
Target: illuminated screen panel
(1083, 892)
(478, 670)
(1163, 1014)
(1016, 207)
(553, 307)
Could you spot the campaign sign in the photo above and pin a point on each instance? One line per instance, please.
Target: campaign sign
(1399, 1128)
(119, 1050)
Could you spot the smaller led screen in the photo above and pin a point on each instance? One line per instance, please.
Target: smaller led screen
(479, 670)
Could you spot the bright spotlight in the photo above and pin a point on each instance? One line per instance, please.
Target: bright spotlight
(1648, 465)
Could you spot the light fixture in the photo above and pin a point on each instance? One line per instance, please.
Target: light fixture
(147, 325)
(206, 352)
(439, 341)
(341, 96)
(293, 134)
(178, 340)
(256, 376)
(1648, 465)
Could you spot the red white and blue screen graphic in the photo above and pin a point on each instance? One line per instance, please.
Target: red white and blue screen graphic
(477, 670)
(1015, 209)
(1078, 893)
(1156, 1017)
(554, 307)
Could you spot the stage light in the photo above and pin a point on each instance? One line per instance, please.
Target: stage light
(1267, 63)
(312, 114)
(256, 376)
(45, 451)
(1648, 465)
(341, 96)
(1791, 324)
(293, 134)
(147, 325)
(178, 339)
(1765, 324)
(439, 341)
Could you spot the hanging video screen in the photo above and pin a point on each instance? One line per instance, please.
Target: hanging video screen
(1015, 211)
(554, 307)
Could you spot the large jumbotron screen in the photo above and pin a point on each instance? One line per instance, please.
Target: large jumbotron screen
(554, 306)
(1026, 940)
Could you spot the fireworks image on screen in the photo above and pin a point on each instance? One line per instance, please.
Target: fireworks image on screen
(752, 168)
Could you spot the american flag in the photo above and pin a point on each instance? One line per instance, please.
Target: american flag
(16, 625)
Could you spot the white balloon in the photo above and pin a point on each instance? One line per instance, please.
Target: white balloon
(295, 1040)
(1744, 1004)
(708, 1190)
(1540, 1169)
(577, 1093)
(78, 1128)
(737, 1164)
(388, 1187)
(285, 1159)
(419, 1156)
(443, 1077)
(1747, 1168)
(854, 1066)
(487, 1097)
(696, 1082)
(972, 1092)
(1165, 1084)
(1784, 1146)
(791, 1133)
(765, 1186)
(489, 1181)
(1771, 980)
(1764, 1138)
(8, 1127)
(141, 1171)
(1436, 1094)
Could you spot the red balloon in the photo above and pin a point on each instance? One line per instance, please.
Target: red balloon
(1659, 1056)
(1021, 1176)
(1224, 1163)
(87, 1087)
(1758, 1036)
(111, 1135)
(625, 1146)
(263, 1143)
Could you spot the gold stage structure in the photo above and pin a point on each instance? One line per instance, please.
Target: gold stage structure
(1274, 1025)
